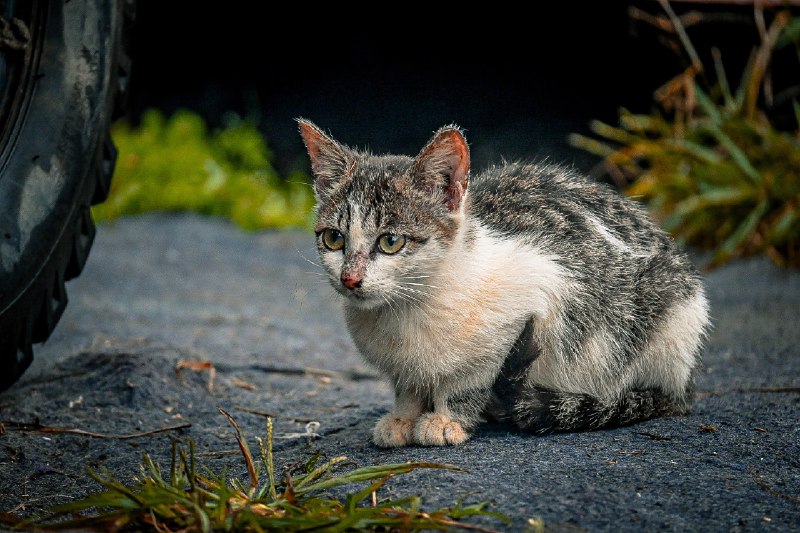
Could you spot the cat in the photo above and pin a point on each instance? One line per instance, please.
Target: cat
(526, 294)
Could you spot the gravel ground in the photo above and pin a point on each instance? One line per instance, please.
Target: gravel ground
(160, 289)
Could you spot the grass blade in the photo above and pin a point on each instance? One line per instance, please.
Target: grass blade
(783, 223)
(267, 459)
(743, 232)
(696, 150)
(368, 474)
(319, 472)
(737, 154)
(711, 198)
(614, 134)
(790, 34)
(593, 146)
(240, 439)
(722, 79)
(708, 107)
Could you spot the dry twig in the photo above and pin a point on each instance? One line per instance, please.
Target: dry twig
(25, 426)
(198, 366)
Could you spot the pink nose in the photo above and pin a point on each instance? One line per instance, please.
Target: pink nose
(351, 280)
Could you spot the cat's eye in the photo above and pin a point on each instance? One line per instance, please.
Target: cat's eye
(332, 239)
(391, 244)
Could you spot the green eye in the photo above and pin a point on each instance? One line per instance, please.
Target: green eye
(332, 239)
(391, 244)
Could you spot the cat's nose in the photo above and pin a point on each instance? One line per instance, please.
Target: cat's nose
(351, 280)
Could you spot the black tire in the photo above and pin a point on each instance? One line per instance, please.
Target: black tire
(64, 87)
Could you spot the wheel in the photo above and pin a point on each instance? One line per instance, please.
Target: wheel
(63, 77)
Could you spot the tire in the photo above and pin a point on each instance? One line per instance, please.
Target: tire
(65, 86)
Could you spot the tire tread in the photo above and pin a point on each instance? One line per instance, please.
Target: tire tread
(34, 316)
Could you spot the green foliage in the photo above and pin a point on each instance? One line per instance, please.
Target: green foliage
(183, 499)
(177, 164)
(711, 165)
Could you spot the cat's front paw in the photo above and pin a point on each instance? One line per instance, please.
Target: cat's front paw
(393, 431)
(438, 430)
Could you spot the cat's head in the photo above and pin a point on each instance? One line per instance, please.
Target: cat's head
(384, 223)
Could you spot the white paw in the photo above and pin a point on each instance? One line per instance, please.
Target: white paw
(438, 430)
(392, 431)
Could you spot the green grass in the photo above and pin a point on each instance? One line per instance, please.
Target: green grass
(177, 164)
(710, 163)
(191, 498)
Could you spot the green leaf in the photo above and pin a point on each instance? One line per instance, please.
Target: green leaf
(643, 123)
(737, 154)
(705, 103)
(790, 34)
(706, 155)
(614, 134)
(458, 512)
(783, 224)
(743, 232)
(353, 499)
(367, 474)
(590, 145)
(741, 91)
(722, 79)
(318, 472)
(711, 198)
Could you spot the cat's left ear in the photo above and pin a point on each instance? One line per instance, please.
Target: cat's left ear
(443, 165)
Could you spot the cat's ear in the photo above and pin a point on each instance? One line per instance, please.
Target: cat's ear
(443, 165)
(329, 160)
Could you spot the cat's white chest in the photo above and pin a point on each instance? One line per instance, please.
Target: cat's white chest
(485, 291)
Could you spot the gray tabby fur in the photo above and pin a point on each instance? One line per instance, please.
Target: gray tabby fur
(526, 293)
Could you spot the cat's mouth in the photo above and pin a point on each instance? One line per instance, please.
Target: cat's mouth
(359, 298)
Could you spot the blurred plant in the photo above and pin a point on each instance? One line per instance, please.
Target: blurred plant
(711, 164)
(176, 164)
(189, 501)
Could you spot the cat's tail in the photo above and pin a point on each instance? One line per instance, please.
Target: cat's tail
(540, 410)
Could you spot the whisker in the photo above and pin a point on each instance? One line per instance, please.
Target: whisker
(408, 296)
(308, 260)
(413, 290)
(391, 306)
(301, 182)
(419, 284)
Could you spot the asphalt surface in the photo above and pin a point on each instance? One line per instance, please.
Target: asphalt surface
(165, 288)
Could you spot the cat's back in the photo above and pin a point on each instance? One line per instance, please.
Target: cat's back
(557, 208)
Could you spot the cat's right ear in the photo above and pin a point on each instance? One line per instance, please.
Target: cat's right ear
(329, 160)
(443, 166)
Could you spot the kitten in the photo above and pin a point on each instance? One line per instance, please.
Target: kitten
(525, 293)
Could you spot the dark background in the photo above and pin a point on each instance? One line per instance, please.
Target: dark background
(385, 77)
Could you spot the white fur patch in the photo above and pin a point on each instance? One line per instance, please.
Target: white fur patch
(593, 373)
(666, 362)
(673, 350)
(354, 229)
(607, 234)
(477, 300)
